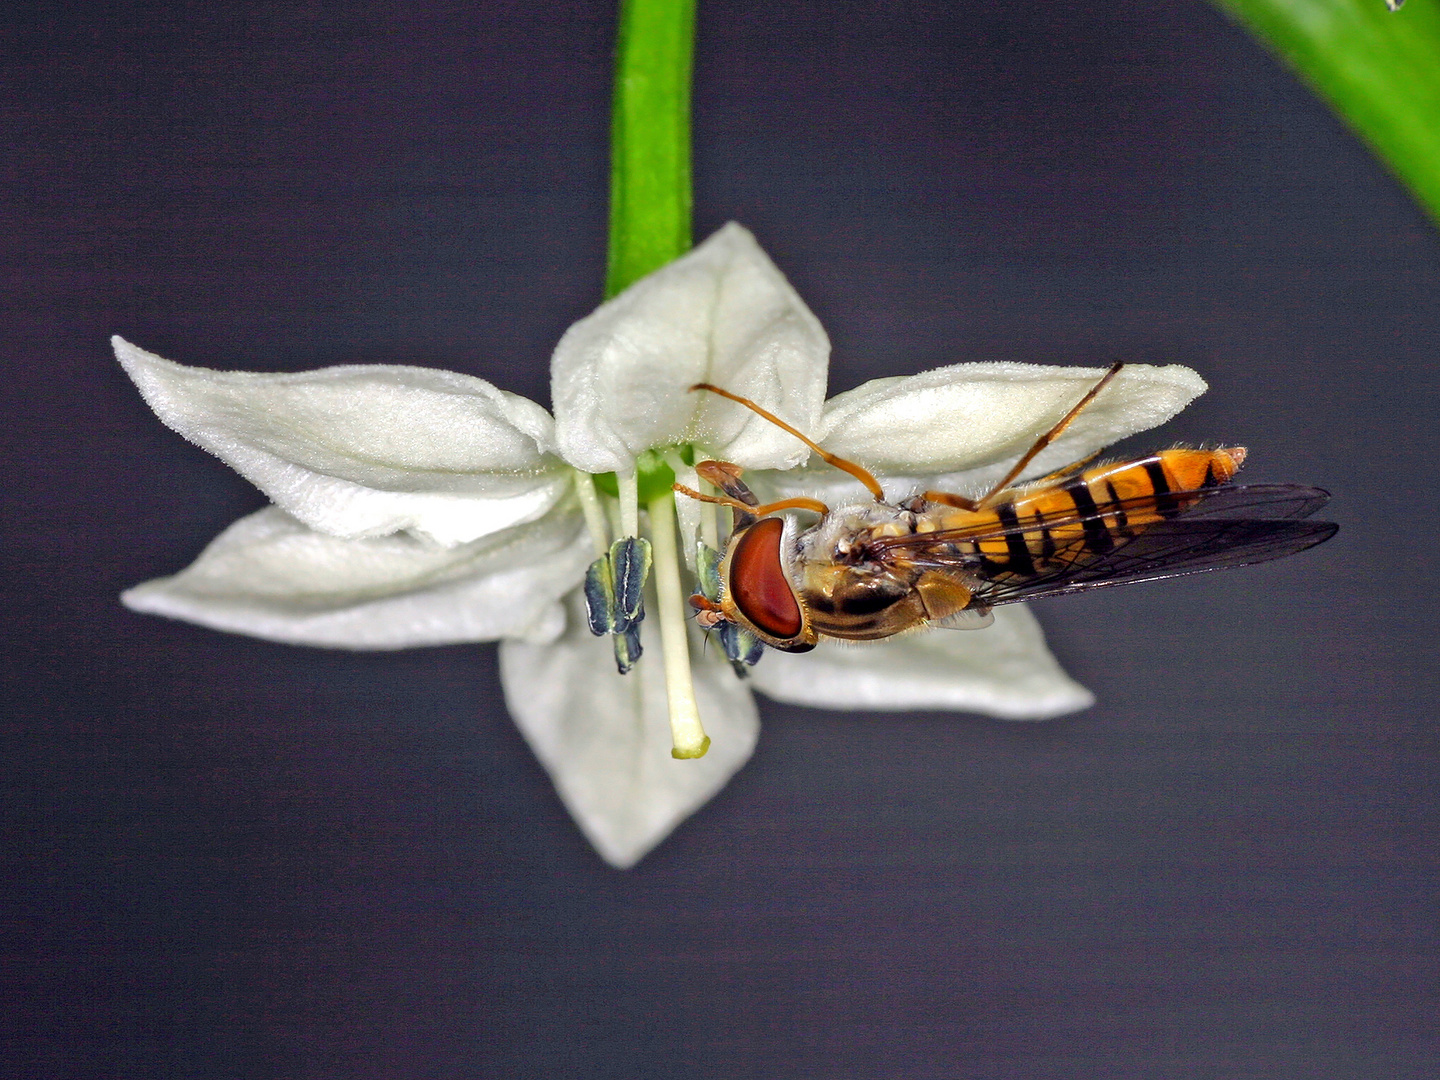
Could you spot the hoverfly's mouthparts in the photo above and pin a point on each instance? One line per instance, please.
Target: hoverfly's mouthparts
(742, 648)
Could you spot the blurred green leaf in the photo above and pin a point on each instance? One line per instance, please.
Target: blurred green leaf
(1379, 69)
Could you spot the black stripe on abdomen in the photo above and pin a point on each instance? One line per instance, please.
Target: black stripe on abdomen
(1122, 519)
(1019, 561)
(1047, 539)
(1097, 537)
(1166, 504)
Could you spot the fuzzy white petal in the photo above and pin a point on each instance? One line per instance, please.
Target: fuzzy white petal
(721, 314)
(972, 421)
(270, 576)
(367, 450)
(605, 738)
(1004, 670)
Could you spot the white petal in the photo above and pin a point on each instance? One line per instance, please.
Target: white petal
(962, 419)
(721, 314)
(605, 738)
(270, 576)
(1004, 670)
(367, 450)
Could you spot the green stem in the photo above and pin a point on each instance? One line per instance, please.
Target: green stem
(650, 140)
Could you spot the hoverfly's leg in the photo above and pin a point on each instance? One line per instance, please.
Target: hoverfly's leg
(742, 648)
(800, 502)
(1049, 436)
(944, 498)
(753, 512)
(960, 502)
(1067, 470)
(858, 472)
(744, 512)
(726, 477)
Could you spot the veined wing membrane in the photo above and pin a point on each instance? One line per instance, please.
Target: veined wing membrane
(1209, 529)
(1266, 501)
(1283, 502)
(1163, 550)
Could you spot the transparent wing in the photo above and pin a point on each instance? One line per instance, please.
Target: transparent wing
(1265, 501)
(1209, 529)
(1165, 549)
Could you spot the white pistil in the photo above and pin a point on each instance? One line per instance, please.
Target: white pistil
(629, 503)
(594, 512)
(685, 729)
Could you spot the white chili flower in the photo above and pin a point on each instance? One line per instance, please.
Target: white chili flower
(420, 507)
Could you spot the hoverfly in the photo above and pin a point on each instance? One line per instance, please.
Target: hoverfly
(878, 569)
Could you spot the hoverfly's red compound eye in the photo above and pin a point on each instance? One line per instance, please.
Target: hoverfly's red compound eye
(759, 586)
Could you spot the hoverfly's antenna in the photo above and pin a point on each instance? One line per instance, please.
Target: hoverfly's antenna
(1051, 435)
(871, 484)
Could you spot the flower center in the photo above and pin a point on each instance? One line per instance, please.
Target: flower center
(614, 584)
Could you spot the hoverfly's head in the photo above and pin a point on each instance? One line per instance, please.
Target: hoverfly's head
(758, 593)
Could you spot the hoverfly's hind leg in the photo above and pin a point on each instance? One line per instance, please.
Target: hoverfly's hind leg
(1049, 436)
(859, 472)
(1067, 470)
(945, 498)
(961, 502)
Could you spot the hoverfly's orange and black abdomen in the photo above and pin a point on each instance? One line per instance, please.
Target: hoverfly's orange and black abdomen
(1088, 515)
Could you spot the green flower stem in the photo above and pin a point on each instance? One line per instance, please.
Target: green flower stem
(690, 740)
(650, 140)
(1378, 69)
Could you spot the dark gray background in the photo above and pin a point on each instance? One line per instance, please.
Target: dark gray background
(227, 858)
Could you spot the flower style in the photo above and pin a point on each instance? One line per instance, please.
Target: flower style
(419, 507)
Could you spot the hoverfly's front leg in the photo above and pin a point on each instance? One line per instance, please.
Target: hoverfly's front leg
(843, 464)
(742, 648)
(750, 513)
(739, 497)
